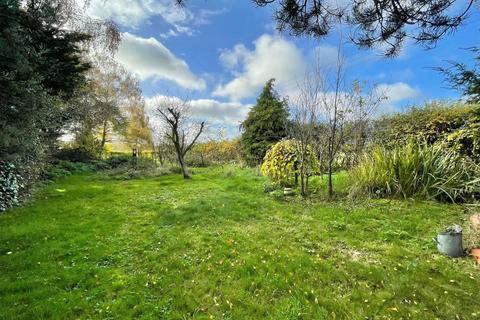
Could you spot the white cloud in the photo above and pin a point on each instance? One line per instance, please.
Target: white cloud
(124, 12)
(213, 111)
(398, 95)
(231, 58)
(225, 113)
(398, 91)
(273, 57)
(148, 58)
(133, 13)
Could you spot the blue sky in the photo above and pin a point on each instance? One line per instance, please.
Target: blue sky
(220, 53)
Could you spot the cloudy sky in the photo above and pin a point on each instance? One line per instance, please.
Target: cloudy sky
(220, 53)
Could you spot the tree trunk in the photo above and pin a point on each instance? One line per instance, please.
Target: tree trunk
(330, 184)
(296, 174)
(302, 185)
(181, 161)
(104, 137)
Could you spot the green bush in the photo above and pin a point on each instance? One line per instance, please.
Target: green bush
(283, 161)
(10, 185)
(61, 168)
(116, 161)
(457, 125)
(417, 170)
(74, 155)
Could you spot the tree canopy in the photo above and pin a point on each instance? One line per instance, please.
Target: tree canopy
(41, 67)
(43, 64)
(465, 78)
(386, 23)
(376, 22)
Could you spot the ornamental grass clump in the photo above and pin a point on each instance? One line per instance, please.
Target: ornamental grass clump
(417, 170)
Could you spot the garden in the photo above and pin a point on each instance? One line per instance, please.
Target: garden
(131, 238)
(248, 199)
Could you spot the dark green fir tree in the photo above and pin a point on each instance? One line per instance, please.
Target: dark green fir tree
(265, 125)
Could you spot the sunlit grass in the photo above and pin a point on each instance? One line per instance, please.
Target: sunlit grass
(218, 247)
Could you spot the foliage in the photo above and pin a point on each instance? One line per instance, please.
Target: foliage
(464, 78)
(138, 168)
(417, 170)
(61, 168)
(269, 186)
(457, 125)
(48, 63)
(265, 125)
(121, 166)
(213, 152)
(211, 247)
(137, 130)
(10, 185)
(110, 103)
(472, 236)
(41, 66)
(376, 22)
(78, 154)
(121, 160)
(282, 162)
(129, 173)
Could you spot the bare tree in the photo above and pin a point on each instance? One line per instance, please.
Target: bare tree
(340, 109)
(178, 129)
(304, 119)
(335, 104)
(367, 100)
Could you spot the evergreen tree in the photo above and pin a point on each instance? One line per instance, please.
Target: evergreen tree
(465, 78)
(265, 125)
(41, 66)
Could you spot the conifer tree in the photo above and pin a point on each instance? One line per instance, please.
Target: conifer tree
(265, 125)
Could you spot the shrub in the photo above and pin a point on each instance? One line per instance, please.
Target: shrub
(213, 152)
(119, 160)
(128, 173)
(417, 170)
(282, 162)
(270, 186)
(10, 185)
(457, 125)
(74, 155)
(61, 168)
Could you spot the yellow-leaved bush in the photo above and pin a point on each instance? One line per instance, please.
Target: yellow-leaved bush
(283, 161)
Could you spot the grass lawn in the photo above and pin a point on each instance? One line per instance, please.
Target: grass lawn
(217, 247)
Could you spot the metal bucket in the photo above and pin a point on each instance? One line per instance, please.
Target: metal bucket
(450, 243)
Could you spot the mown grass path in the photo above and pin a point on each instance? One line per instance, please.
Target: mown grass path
(218, 247)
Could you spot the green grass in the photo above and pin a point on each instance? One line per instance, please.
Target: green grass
(217, 247)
